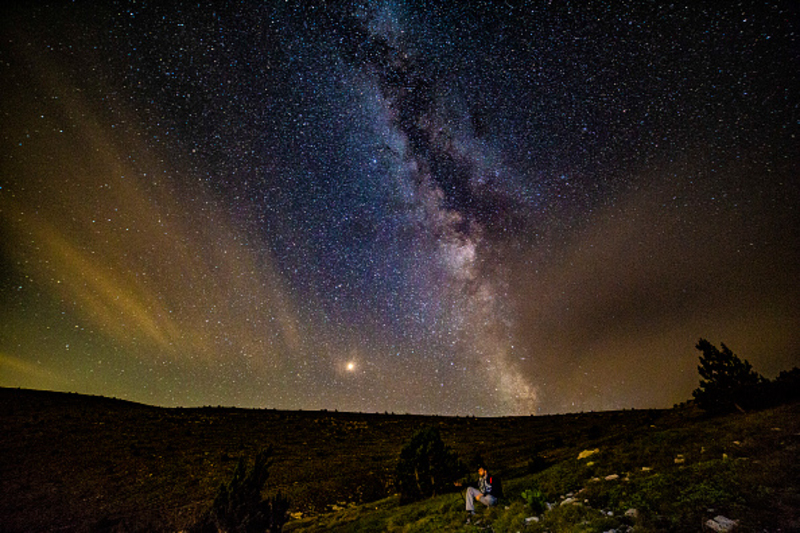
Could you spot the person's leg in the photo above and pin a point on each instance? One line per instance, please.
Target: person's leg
(470, 497)
(488, 500)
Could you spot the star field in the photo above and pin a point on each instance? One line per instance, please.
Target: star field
(396, 206)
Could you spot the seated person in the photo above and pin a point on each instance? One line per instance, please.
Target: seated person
(483, 493)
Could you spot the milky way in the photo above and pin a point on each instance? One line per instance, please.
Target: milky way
(407, 207)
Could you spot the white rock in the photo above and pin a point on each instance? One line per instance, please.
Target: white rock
(632, 513)
(612, 477)
(721, 524)
(568, 501)
(531, 519)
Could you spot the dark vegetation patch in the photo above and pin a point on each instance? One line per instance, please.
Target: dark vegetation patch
(82, 463)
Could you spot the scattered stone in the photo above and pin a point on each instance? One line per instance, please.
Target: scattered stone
(647, 468)
(531, 519)
(632, 513)
(680, 459)
(587, 453)
(612, 477)
(721, 524)
(473, 520)
(736, 442)
(568, 501)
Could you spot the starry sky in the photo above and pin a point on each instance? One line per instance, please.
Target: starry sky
(485, 208)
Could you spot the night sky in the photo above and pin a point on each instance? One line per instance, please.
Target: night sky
(426, 207)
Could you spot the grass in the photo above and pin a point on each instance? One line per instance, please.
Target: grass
(677, 475)
(77, 463)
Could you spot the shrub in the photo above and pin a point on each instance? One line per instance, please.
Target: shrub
(537, 463)
(426, 467)
(786, 386)
(535, 500)
(238, 507)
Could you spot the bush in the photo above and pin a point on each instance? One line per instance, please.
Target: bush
(238, 507)
(426, 467)
(786, 386)
(728, 382)
(535, 500)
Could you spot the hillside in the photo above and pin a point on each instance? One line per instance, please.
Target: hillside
(80, 463)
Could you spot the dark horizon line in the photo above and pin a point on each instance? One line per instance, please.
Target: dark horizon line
(328, 411)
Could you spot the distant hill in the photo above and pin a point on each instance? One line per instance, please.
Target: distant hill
(70, 462)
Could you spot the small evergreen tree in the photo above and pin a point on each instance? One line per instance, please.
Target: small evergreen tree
(786, 387)
(238, 507)
(426, 466)
(728, 382)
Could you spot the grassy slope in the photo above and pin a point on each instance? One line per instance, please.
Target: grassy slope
(77, 463)
(678, 473)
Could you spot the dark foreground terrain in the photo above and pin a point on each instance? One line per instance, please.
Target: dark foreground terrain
(81, 463)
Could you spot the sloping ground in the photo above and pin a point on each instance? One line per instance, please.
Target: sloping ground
(671, 476)
(78, 463)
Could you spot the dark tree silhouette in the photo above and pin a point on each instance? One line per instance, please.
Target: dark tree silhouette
(426, 466)
(786, 387)
(238, 507)
(727, 382)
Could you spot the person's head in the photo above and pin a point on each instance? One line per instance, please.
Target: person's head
(481, 471)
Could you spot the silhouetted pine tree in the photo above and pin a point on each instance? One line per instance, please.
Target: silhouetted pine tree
(728, 382)
(786, 386)
(426, 466)
(238, 507)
